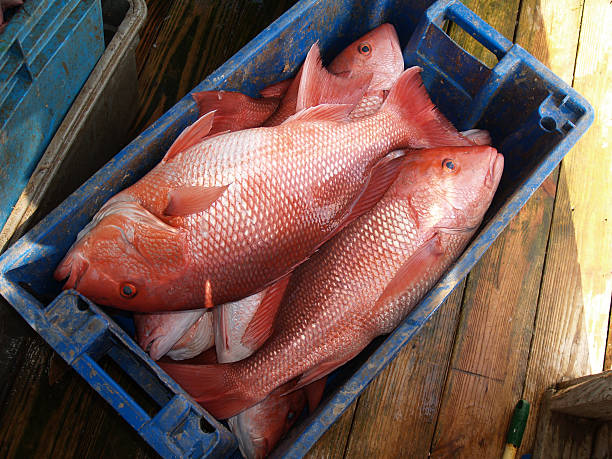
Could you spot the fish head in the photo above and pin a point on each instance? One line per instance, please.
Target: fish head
(259, 428)
(127, 258)
(451, 187)
(157, 334)
(378, 53)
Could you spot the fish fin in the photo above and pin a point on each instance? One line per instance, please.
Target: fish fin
(235, 111)
(324, 112)
(319, 86)
(321, 370)
(261, 325)
(191, 136)
(383, 174)
(210, 387)
(478, 136)
(414, 269)
(314, 393)
(408, 99)
(277, 89)
(188, 200)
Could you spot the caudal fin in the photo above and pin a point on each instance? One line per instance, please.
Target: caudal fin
(426, 127)
(212, 387)
(235, 111)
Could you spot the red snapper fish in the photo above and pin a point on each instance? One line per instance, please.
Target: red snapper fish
(362, 283)
(221, 219)
(377, 53)
(259, 428)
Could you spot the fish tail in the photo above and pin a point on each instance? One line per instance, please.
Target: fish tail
(235, 111)
(426, 126)
(212, 386)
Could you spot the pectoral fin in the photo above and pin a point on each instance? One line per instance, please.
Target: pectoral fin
(423, 260)
(188, 200)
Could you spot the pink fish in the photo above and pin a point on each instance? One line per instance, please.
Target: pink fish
(259, 428)
(364, 281)
(377, 53)
(180, 335)
(221, 219)
(5, 5)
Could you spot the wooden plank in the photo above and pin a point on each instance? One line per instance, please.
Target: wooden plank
(560, 436)
(493, 338)
(333, 443)
(591, 398)
(602, 445)
(573, 310)
(396, 414)
(195, 38)
(157, 14)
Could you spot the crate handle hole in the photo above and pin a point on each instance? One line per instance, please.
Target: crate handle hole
(82, 305)
(205, 426)
(548, 124)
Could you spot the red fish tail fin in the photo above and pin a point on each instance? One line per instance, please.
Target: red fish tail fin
(319, 86)
(478, 136)
(426, 126)
(212, 386)
(235, 111)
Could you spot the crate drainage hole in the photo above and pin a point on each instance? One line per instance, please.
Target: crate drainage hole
(205, 426)
(548, 124)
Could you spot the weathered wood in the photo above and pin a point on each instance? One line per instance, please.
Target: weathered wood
(396, 415)
(194, 39)
(492, 344)
(573, 310)
(157, 14)
(333, 443)
(560, 436)
(602, 444)
(591, 398)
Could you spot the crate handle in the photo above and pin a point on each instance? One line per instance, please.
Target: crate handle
(465, 18)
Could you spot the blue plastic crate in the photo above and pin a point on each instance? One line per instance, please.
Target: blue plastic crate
(47, 51)
(533, 116)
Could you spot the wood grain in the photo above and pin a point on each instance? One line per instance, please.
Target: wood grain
(574, 306)
(562, 437)
(590, 398)
(397, 413)
(492, 344)
(602, 444)
(333, 443)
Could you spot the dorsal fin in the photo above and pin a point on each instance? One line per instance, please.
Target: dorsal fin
(191, 136)
(261, 325)
(319, 86)
(325, 112)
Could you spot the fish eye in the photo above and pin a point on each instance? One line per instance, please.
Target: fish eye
(449, 165)
(290, 415)
(365, 48)
(127, 290)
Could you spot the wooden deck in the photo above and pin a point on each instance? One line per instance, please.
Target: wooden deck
(535, 310)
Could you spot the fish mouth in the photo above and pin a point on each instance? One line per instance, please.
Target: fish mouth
(496, 168)
(71, 269)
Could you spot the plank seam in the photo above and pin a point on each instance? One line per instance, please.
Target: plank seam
(448, 365)
(518, 16)
(350, 432)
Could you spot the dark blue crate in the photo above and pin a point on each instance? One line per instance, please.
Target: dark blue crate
(47, 51)
(534, 118)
